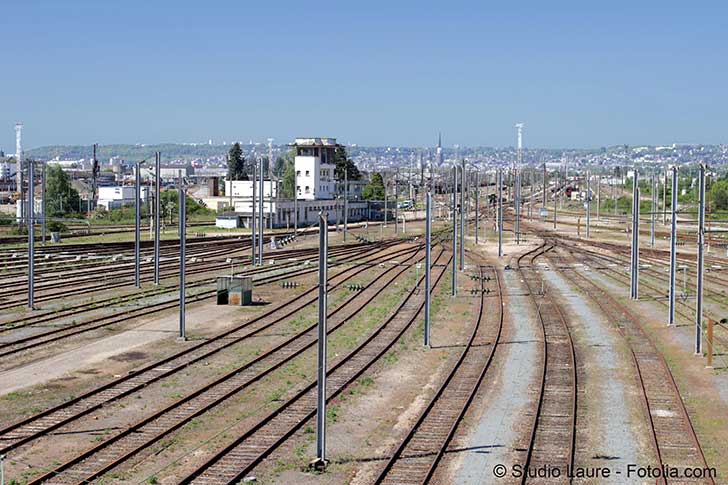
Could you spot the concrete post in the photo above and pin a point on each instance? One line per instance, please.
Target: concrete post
(673, 245)
(699, 282)
(321, 461)
(428, 245)
(182, 204)
(31, 232)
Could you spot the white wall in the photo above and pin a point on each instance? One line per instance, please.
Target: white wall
(311, 183)
(244, 188)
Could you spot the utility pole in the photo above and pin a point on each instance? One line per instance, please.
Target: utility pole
(544, 185)
(43, 202)
(673, 245)
(320, 462)
(19, 169)
(699, 283)
(556, 192)
(500, 213)
(261, 225)
(270, 181)
(599, 194)
(664, 199)
(396, 202)
(157, 210)
(182, 204)
(454, 228)
(31, 233)
(635, 259)
(653, 208)
(428, 244)
(137, 222)
(295, 199)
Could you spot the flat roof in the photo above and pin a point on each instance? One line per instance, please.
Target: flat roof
(315, 142)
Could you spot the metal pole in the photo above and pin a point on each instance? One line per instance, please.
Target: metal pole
(43, 202)
(556, 191)
(477, 203)
(673, 245)
(500, 213)
(385, 204)
(252, 219)
(614, 192)
(137, 222)
(295, 199)
(544, 185)
(322, 305)
(516, 206)
(31, 232)
(634, 287)
(454, 229)
(664, 200)
(653, 209)
(157, 209)
(346, 201)
(428, 235)
(396, 202)
(599, 194)
(182, 257)
(701, 243)
(462, 216)
(588, 204)
(261, 225)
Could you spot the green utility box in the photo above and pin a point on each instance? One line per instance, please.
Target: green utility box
(234, 290)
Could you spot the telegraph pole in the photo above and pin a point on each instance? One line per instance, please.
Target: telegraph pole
(673, 245)
(157, 209)
(701, 244)
(31, 232)
(320, 462)
(428, 244)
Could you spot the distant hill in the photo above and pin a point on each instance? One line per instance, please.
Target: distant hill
(170, 151)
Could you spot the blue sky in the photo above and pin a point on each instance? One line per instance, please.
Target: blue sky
(579, 74)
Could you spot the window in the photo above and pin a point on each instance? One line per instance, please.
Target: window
(308, 174)
(307, 189)
(298, 173)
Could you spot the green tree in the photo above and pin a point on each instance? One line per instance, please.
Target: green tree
(279, 167)
(61, 198)
(374, 190)
(288, 187)
(719, 194)
(344, 163)
(236, 163)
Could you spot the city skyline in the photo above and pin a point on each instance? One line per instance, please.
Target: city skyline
(579, 76)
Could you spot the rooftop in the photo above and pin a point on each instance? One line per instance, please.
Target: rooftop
(315, 142)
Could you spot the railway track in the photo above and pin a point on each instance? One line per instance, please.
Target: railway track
(36, 340)
(552, 442)
(120, 448)
(417, 456)
(672, 434)
(238, 458)
(33, 427)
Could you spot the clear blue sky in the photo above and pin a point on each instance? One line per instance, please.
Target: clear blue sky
(581, 74)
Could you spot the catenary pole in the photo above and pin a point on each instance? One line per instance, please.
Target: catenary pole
(322, 341)
(699, 276)
(261, 220)
(673, 245)
(477, 204)
(253, 222)
(462, 216)
(43, 202)
(31, 233)
(428, 245)
(588, 204)
(157, 209)
(137, 222)
(454, 228)
(500, 213)
(182, 204)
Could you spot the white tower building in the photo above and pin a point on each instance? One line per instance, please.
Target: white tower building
(314, 165)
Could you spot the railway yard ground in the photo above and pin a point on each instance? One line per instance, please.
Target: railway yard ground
(540, 365)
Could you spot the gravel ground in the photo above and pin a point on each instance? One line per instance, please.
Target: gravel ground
(610, 422)
(494, 437)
